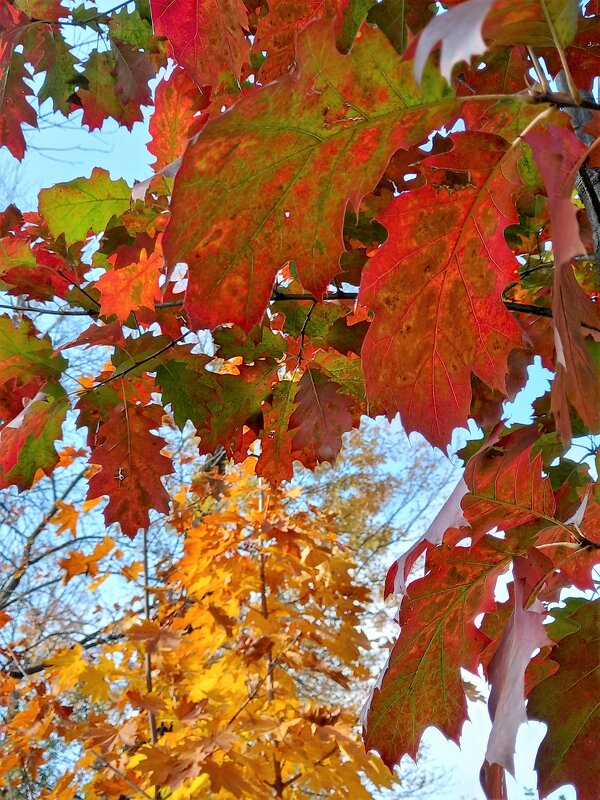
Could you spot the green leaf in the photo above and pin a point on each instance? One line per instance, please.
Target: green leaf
(131, 29)
(61, 76)
(28, 441)
(26, 357)
(568, 701)
(83, 205)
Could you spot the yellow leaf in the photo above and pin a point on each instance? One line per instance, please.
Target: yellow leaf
(67, 666)
(94, 683)
(66, 518)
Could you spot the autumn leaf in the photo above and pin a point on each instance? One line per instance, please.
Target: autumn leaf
(26, 356)
(278, 29)
(129, 288)
(132, 467)
(463, 28)
(459, 31)
(176, 101)
(275, 460)
(68, 665)
(133, 71)
(436, 289)
(558, 153)
(568, 752)
(59, 65)
(83, 205)
(207, 36)
(152, 636)
(78, 563)
(100, 94)
(66, 515)
(422, 685)
(507, 487)
(197, 394)
(14, 107)
(451, 515)
(28, 441)
(242, 193)
(321, 416)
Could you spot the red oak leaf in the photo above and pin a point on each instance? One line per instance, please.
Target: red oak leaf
(207, 36)
(422, 685)
(132, 467)
(271, 182)
(175, 103)
(277, 31)
(567, 701)
(436, 289)
(129, 288)
(506, 486)
(558, 153)
(321, 416)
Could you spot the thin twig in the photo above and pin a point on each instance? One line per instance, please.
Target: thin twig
(121, 775)
(539, 70)
(147, 657)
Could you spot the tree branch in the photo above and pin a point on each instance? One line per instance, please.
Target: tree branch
(26, 558)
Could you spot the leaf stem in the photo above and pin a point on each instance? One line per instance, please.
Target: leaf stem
(539, 71)
(573, 90)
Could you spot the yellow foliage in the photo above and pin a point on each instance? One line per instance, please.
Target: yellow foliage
(212, 697)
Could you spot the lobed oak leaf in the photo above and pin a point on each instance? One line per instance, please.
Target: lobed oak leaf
(451, 515)
(567, 701)
(246, 199)
(220, 406)
(321, 416)
(208, 36)
(422, 685)
(460, 32)
(132, 467)
(14, 106)
(133, 71)
(436, 288)
(582, 54)
(278, 29)
(59, 65)
(132, 287)
(558, 153)
(97, 94)
(176, 101)
(133, 28)
(84, 204)
(27, 442)
(507, 487)
(275, 460)
(46, 10)
(464, 29)
(533, 23)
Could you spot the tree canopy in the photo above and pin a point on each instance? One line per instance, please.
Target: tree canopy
(358, 208)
